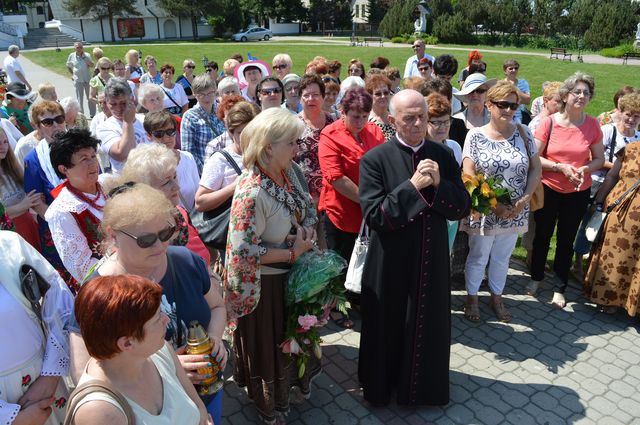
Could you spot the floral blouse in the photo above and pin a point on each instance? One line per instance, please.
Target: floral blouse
(387, 129)
(307, 157)
(259, 205)
(508, 159)
(5, 221)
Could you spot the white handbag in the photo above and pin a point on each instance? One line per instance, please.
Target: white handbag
(353, 281)
(594, 225)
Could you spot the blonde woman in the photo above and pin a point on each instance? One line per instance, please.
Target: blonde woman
(98, 82)
(271, 201)
(186, 79)
(133, 68)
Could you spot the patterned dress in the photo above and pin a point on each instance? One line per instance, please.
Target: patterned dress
(307, 157)
(387, 129)
(613, 277)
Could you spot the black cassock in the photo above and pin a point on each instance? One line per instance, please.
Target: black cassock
(406, 300)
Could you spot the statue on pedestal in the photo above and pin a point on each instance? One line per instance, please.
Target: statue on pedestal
(420, 24)
(636, 44)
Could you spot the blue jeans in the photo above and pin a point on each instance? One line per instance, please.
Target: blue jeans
(215, 408)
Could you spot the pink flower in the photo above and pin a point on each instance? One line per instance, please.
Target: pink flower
(307, 321)
(291, 346)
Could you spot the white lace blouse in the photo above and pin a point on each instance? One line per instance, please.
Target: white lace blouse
(70, 242)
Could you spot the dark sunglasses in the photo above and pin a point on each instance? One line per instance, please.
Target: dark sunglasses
(424, 68)
(120, 189)
(147, 240)
(503, 104)
(48, 122)
(278, 67)
(330, 79)
(190, 66)
(209, 69)
(267, 92)
(105, 68)
(159, 134)
(479, 91)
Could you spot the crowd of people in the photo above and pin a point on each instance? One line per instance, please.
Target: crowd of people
(189, 199)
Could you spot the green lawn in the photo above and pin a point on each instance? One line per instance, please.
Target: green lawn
(609, 78)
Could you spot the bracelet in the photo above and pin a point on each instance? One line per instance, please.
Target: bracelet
(555, 167)
(292, 255)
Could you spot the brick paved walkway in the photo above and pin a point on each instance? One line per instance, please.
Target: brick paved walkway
(547, 366)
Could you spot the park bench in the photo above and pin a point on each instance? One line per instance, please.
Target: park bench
(557, 51)
(629, 55)
(368, 40)
(356, 41)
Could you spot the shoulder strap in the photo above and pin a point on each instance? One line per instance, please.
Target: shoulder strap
(174, 284)
(97, 386)
(621, 197)
(206, 118)
(612, 143)
(34, 288)
(230, 161)
(170, 98)
(525, 139)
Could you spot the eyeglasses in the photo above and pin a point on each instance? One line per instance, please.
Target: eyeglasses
(159, 134)
(330, 79)
(48, 122)
(147, 240)
(381, 93)
(354, 70)
(279, 67)
(440, 123)
(503, 104)
(479, 91)
(120, 189)
(577, 93)
(106, 68)
(190, 66)
(416, 46)
(291, 89)
(207, 94)
(513, 68)
(269, 92)
(209, 69)
(423, 68)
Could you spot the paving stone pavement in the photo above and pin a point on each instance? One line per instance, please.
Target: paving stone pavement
(547, 366)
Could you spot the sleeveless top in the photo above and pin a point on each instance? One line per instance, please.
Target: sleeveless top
(177, 407)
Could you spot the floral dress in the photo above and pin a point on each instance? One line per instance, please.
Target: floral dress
(508, 159)
(387, 129)
(307, 157)
(613, 277)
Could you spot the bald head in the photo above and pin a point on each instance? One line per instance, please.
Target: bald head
(408, 113)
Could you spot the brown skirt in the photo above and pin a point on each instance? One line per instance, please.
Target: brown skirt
(260, 365)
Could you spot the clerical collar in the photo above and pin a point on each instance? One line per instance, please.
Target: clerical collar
(414, 148)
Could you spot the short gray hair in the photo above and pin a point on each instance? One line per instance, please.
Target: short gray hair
(147, 90)
(202, 83)
(571, 83)
(148, 163)
(69, 103)
(117, 87)
(227, 82)
(13, 48)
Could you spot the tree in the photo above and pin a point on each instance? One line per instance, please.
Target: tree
(399, 19)
(376, 9)
(476, 11)
(613, 21)
(99, 9)
(453, 28)
(330, 14)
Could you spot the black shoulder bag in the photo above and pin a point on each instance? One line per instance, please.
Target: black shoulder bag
(213, 226)
(34, 287)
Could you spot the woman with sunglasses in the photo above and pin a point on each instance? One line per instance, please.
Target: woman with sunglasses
(503, 150)
(186, 79)
(511, 68)
(571, 145)
(425, 68)
(138, 227)
(379, 87)
(97, 83)
(282, 65)
(162, 127)
(356, 68)
(474, 95)
(75, 214)
(156, 166)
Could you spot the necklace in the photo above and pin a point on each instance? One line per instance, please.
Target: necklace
(81, 196)
(286, 184)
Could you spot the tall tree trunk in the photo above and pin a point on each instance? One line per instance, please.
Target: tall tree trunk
(113, 34)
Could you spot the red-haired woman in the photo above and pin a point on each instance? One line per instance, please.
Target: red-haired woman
(131, 355)
(12, 195)
(474, 56)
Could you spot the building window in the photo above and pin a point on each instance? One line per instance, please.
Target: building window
(364, 13)
(39, 10)
(357, 10)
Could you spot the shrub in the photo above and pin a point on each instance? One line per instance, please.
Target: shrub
(618, 51)
(398, 40)
(398, 19)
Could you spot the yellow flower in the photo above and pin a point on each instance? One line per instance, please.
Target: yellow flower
(485, 189)
(493, 202)
(480, 177)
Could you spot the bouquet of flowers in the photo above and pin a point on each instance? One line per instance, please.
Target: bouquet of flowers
(312, 292)
(485, 192)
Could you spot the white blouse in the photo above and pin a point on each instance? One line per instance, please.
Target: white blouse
(188, 179)
(70, 242)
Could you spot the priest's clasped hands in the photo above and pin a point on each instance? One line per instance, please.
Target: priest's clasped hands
(427, 174)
